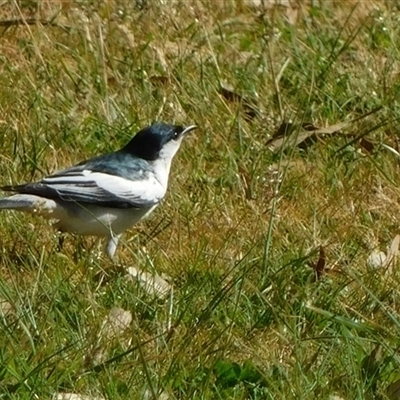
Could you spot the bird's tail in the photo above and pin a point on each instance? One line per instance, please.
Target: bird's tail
(25, 202)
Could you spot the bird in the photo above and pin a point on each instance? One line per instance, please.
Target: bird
(108, 194)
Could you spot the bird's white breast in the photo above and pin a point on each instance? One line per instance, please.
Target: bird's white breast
(95, 220)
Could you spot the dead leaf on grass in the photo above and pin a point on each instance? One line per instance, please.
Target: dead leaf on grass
(292, 15)
(75, 396)
(6, 308)
(152, 284)
(96, 356)
(329, 130)
(287, 128)
(169, 50)
(129, 36)
(376, 260)
(285, 136)
(228, 93)
(393, 390)
(116, 323)
(267, 4)
(367, 145)
(148, 395)
(290, 135)
(319, 266)
(289, 9)
(392, 253)
(159, 80)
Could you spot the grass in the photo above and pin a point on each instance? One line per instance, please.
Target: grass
(241, 228)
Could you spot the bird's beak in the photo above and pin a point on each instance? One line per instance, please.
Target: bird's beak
(188, 129)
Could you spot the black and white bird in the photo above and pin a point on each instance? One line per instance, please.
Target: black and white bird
(105, 195)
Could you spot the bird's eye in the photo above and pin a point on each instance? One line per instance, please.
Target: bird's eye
(175, 135)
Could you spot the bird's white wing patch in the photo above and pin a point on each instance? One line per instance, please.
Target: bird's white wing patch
(146, 189)
(105, 189)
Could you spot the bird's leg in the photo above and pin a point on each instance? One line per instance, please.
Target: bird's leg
(80, 249)
(61, 239)
(111, 245)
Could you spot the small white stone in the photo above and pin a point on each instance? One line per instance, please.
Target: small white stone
(6, 308)
(74, 396)
(116, 323)
(376, 260)
(152, 284)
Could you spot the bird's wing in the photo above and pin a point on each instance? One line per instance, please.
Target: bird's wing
(81, 185)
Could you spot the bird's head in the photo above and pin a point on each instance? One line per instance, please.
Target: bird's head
(157, 141)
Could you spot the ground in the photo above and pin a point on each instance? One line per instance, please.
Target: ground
(277, 242)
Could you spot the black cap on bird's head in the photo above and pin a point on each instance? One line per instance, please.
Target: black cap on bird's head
(150, 141)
